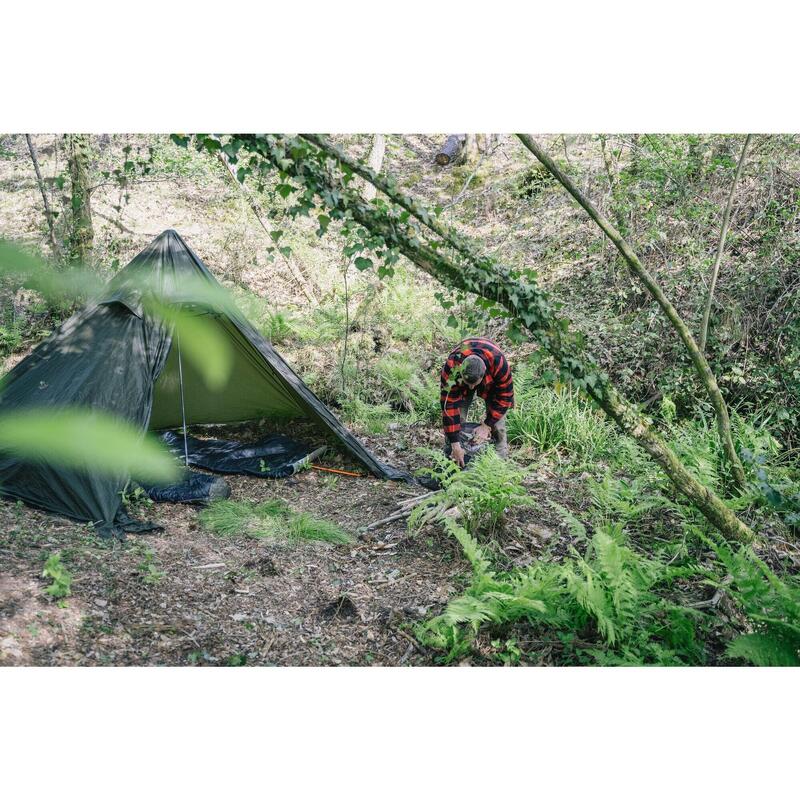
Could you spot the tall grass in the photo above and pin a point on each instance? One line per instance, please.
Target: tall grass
(272, 518)
(559, 421)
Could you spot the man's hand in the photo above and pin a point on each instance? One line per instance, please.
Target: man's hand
(457, 454)
(482, 433)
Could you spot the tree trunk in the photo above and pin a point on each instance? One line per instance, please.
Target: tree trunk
(294, 269)
(375, 162)
(81, 239)
(635, 154)
(527, 302)
(613, 182)
(471, 153)
(726, 221)
(48, 213)
(698, 359)
(450, 149)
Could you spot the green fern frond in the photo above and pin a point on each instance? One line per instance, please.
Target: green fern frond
(480, 562)
(766, 650)
(574, 525)
(591, 597)
(470, 610)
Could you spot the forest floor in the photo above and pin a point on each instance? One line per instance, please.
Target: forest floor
(187, 596)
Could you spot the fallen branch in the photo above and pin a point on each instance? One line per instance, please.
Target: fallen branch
(387, 520)
(404, 509)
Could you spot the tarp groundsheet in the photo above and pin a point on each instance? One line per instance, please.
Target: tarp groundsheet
(275, 456)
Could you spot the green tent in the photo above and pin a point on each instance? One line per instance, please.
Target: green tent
(115, 356)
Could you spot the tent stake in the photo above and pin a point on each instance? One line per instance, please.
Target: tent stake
(183, 408)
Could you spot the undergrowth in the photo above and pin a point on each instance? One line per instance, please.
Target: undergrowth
(60, 576)
(480, 493)
(771, 605)
(603, 606)
(272, 518)
(621, 594)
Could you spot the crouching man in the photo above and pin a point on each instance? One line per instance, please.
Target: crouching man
(476, 366)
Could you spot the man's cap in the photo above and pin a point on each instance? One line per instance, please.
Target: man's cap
(473, 368)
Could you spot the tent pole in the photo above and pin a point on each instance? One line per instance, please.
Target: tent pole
(183, 407)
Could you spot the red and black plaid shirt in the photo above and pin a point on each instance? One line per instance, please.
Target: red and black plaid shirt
(496, 386)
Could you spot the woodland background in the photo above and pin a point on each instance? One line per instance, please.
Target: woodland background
(594, 556)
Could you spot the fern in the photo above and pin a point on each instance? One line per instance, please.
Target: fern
(628, 501)
(482, 492)
(481, 565)
(611, 589)
(771, 603)
(765, 649)
(574, 525)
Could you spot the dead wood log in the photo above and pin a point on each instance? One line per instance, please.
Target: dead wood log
(451, 149)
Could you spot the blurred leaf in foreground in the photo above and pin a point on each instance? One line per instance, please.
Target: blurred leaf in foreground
(200, 341)
(34, 272)
(74, 437)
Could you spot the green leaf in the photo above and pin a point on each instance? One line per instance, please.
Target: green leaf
(284, 190)
(78, 437)
(765, 649)
(363, 263)
(201, 342)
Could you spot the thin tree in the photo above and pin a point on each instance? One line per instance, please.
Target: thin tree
(48, 212)
(81, 238)
(375, 162)
(726, 221)
(637, 268)
(613, 183)
(471, 153)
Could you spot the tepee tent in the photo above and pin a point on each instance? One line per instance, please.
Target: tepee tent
(115, 356)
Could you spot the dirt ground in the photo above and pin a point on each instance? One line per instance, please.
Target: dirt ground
(189, 597)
